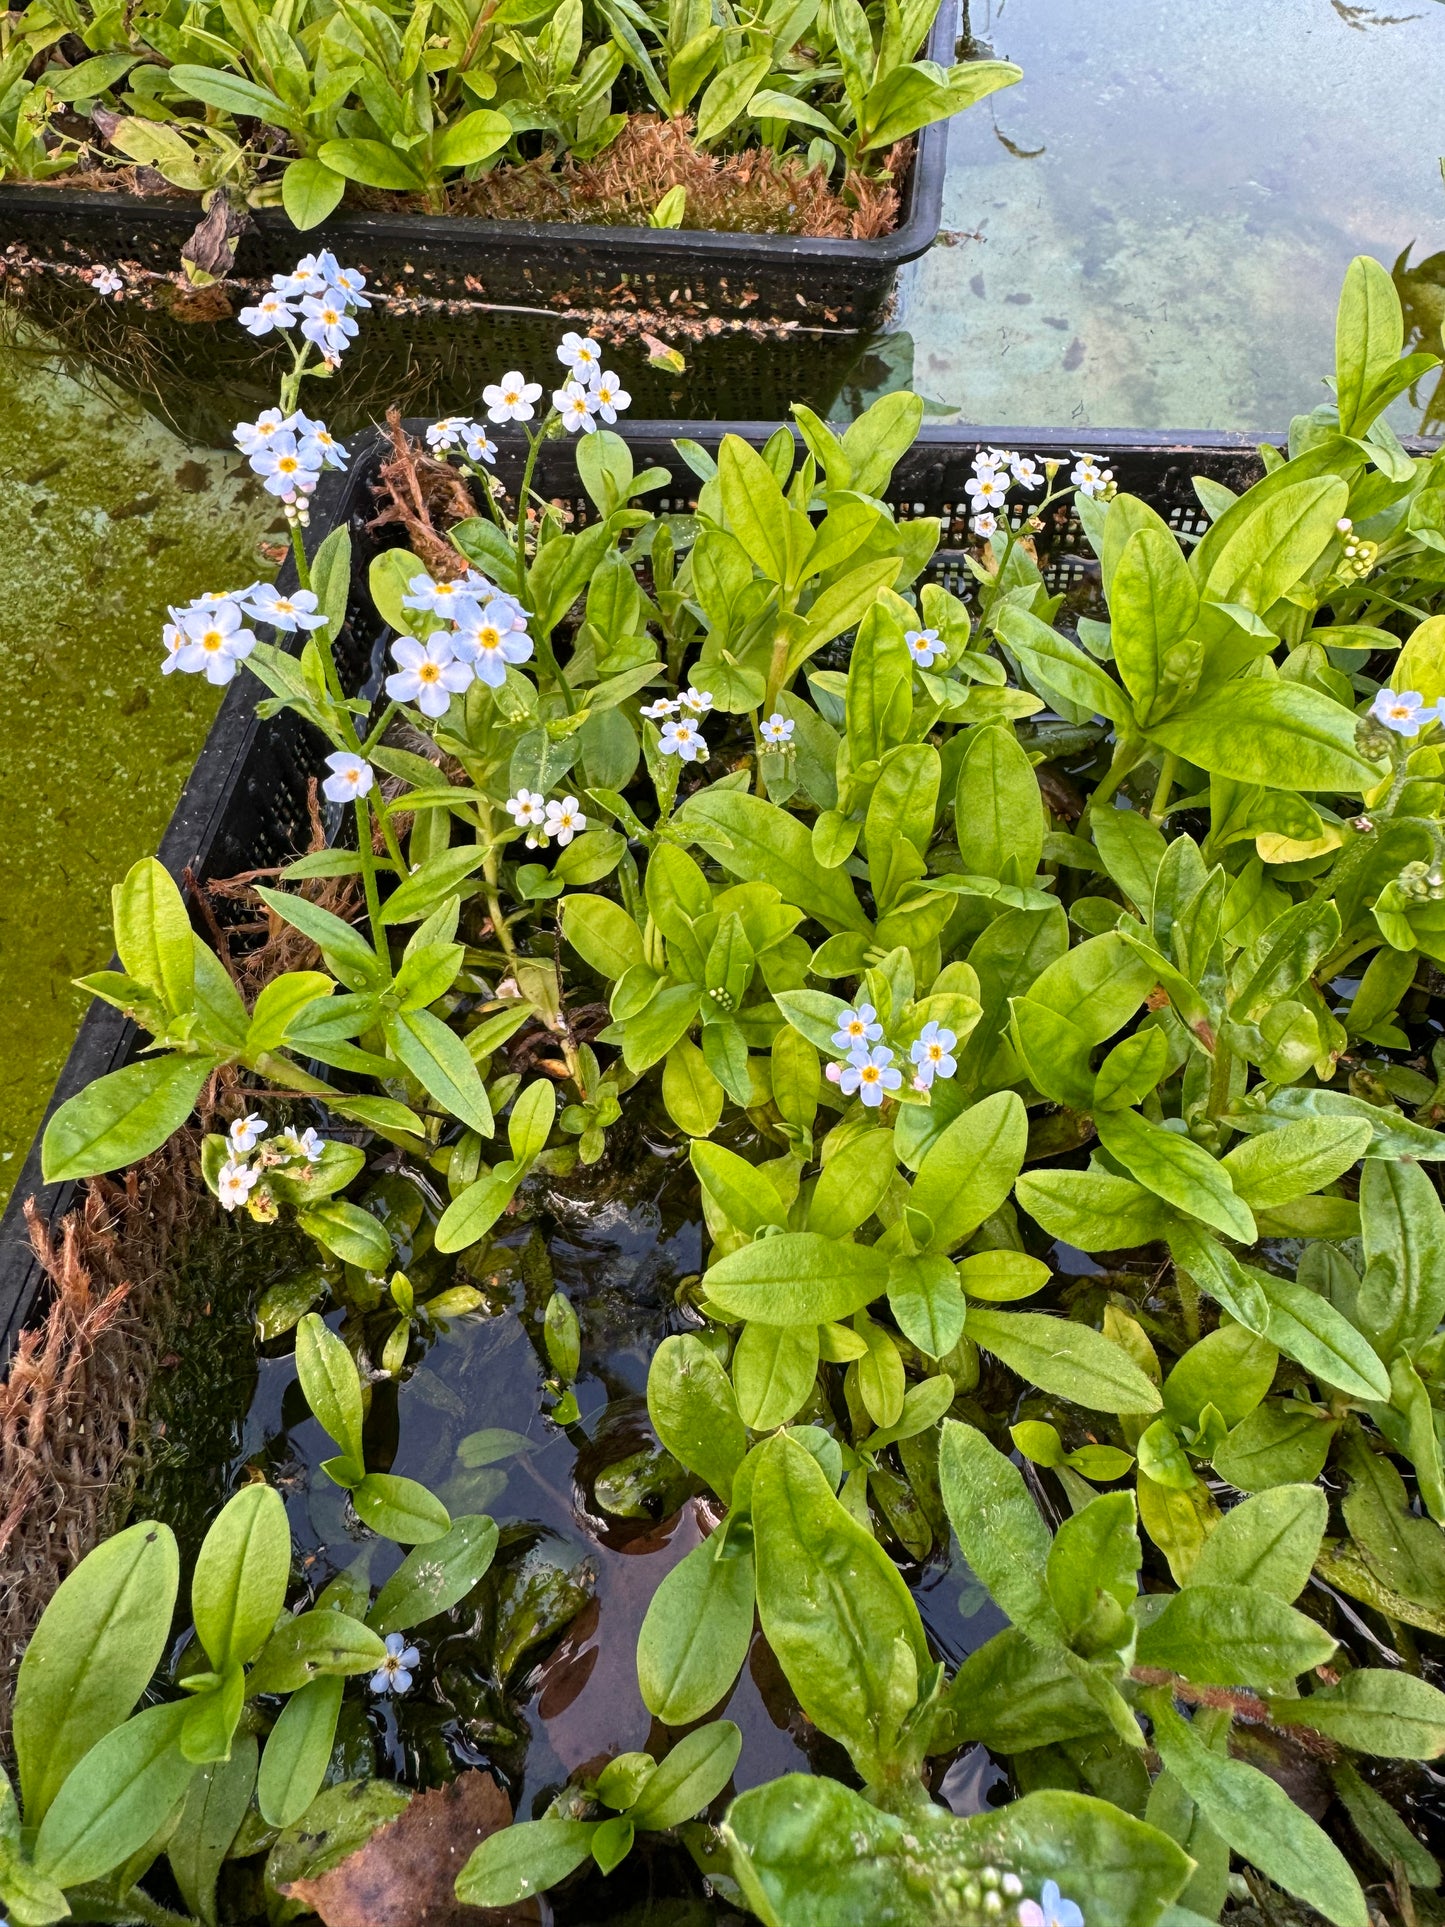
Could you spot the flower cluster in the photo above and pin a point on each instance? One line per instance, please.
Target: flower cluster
(240, 1174)
(1360, 556)
(589, 391)
(319, 293)
(289, 452)
(1404, 711)
(995, 472)
(460, 431)
(681, 735)
(489, 631)
(209, 635)
(543, 818)
(868, 1067)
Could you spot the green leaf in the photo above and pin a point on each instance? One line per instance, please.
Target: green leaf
(524, 1859)
(758, 842)
(298, 1751)
(697, 1630)
(438, 878)
(238, 1588)
(693, 1096)
(725, 97)
(1270, 1542)
(373, 163)
(92, 1655)
(968, 1172)
(694, 1412)
(1094, 1560)
(926, 1299)
(1270, 540)
(1382, 1829)
(473, 1212)
(1393, 1136)
(689, 1778)
(1280, 1443)
(122, 1117)
(153, 936)
(853, 1183)
(756, 512)
(331, 1384)
(115, 1798)
(1369, 339)
(215, 1805)
(436, 1577)
(440, 1062)
(400, 1509)
(797, 1278)
(1402, 1295)
(530, 1124)
(1308, 1329)
(1292, 1162)
(234, 94)
(1219, 1635)
(834, 1608)
(310, 191)
(1259, 1821)
(474, 137)
(348, 955)
(308, 1645)
(1392, 1715)
(1280, 735)
(353, 1234)
(1093, 1210)
(774, 1367)
(1072, 1361)
(1152, 606)
(1177, 1170)
(999, 1530)
(602, 934)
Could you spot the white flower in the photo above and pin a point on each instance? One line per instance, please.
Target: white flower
(429, 675)
(327, 324)
(455, 599)
(664, 706)
(173, 640)
(931, 1054)
(214, 642)
(252, 437)
(1025, 471)
(1088, 476)
(511, 398)
(682, 739)
(609, 397)
(696, 701)
(870, 1073)
(245, 1133)
(537, 839)
(776, 730)
(311, 1146)
(269, 312)
(107, 281)
(1400, 710)
(307, 277)
(491, 639)
(265, 603)
(988, 490)
(565, 819)
(350, 777)
(1050, 1909)
(447, 432)
(583, 357)
(319, 447)
(395, 1671)
(924, 646)
(527, 808)
(480, 446)
(234, 1183)
(987, 460)
(857, 1028)
(984, 524)
(284, 468)
(575, 404)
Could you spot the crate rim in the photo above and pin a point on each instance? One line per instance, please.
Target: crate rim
(106, 1038)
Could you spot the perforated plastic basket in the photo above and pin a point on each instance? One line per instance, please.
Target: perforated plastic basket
(245, 804)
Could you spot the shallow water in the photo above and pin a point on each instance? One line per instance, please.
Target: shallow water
(1150, 228)
(108, 518)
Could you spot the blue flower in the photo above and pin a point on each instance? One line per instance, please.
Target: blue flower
(932, 1055)
(327, 323)
(269, 312)
(1050, 1909)
(1401, 711)
(856, 1028)
(870, 1073)
(924, 646)
(395, 1671)
(777, 730)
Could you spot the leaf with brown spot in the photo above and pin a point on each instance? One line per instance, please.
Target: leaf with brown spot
(405, 1874)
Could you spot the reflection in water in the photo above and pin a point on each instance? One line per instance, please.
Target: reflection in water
(1150, 229)
(1422, 296)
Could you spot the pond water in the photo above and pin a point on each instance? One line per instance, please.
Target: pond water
(533, 1676)
(1147, 232)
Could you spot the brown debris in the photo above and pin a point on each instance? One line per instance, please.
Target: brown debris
(407, 1870)
(415, 487)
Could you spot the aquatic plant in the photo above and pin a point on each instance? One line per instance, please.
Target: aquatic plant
(934, 1026)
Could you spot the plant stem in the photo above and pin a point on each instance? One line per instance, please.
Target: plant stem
(491, 871)
(364, 850)
(380, 728)
(1166, 783)
(298, 550)
(1124, 758)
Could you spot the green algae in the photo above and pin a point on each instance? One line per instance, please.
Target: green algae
(108, 519)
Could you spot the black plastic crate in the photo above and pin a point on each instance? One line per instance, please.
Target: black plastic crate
(244, 806)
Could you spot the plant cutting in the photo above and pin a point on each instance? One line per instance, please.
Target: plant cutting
(1065, 1153)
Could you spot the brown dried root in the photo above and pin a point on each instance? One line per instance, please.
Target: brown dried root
(414, 487)
(73, 1399)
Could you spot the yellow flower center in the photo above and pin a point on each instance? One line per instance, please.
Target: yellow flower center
(212, 639)
(869, 1073)
(429, 671)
